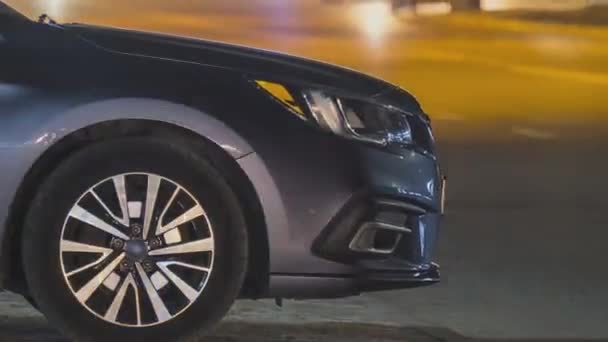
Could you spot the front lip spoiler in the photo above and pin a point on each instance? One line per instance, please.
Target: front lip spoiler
(318, 286)
(380, 280)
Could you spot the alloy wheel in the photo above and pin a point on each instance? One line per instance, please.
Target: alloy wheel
(137, 249)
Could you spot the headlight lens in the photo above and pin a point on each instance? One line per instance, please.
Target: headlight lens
(351, 118)
(358, 119)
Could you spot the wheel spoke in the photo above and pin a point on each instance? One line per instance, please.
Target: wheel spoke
(152, 194)
(71, 246)
(203, 245)
(183, 264)
(122, 220)
(121, 193)
(188, 216)
(114, 308)
(87, 290)
(186, 289)
(82, 215)
(162, 314)
(77, 247)
(167, 206)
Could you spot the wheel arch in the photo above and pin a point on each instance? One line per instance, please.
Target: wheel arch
(221, 151)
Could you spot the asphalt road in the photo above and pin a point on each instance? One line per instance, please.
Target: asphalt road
(520, 110)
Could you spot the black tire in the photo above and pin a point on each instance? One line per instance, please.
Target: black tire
(202, 176)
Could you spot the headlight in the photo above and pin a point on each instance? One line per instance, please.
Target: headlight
(350, 118)
(360, 120)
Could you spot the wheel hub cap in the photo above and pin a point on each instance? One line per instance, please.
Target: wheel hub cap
(137, 250)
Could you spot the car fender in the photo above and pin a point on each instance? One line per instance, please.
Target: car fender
(28, 131)
(143, 109)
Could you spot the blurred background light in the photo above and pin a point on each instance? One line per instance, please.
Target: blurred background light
(54, 8)
(495, 5)
(374, 18)
(433, 8)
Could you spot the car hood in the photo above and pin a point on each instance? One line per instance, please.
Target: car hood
(258, 63)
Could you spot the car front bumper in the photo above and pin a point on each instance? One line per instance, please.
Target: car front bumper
(316, 206)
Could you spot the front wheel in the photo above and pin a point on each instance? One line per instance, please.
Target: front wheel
(134, 239)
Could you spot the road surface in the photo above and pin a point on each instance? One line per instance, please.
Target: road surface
(521, 113)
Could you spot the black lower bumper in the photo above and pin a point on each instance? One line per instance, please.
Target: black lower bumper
(297, 286)
(394, 275)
